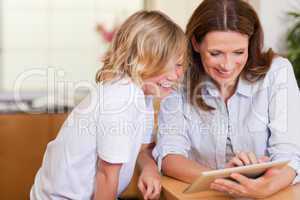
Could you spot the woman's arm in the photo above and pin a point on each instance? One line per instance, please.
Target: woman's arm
(149, 180)
(284, 109)
(173, 143)
(284, 140)
(107, 180)
(181, 168)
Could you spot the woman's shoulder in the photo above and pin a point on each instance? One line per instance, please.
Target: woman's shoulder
(280, 71)
(279, 63)
(176, 98)
(280, 68)
(177, 101)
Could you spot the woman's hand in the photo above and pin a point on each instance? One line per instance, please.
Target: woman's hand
(245, 158)
(149, 184)
(271, 182)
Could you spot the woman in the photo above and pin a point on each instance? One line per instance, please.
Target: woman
(239, 105)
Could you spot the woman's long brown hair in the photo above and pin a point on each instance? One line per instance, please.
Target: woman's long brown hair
(225, 15)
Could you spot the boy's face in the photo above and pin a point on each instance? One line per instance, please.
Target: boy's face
(162, 85)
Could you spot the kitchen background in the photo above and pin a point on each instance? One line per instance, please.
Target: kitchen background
(53, 47)
(50, 51)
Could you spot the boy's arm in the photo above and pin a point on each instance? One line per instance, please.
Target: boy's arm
(107, 180)
(149, 181)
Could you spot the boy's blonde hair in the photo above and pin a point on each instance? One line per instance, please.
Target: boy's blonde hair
(142, 47)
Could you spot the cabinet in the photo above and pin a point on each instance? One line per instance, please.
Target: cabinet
(23, 140)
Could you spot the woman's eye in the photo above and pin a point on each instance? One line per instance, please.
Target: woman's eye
(214, 53)
(239, 52)
(178, 65)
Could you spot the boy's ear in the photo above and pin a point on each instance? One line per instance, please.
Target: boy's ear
(195, 44)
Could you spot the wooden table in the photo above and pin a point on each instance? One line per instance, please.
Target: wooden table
(172, 190)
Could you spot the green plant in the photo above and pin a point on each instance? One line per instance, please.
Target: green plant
(293, 44)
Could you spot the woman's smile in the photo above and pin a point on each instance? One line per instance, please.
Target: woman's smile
(223, 73)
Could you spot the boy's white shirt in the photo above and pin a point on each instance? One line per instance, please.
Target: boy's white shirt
(111, 123)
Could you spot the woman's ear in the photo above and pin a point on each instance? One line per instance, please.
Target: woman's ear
(195, 44)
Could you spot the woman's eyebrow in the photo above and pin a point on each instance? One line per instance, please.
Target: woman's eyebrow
(215, 50)
(240, 49)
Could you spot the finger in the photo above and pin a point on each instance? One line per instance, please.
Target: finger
(156, 191)
(149, 190)
(264, 159)
(142, 187)
(252, 158)
(231, 186)
(244, 157)
(243, 180)
(222, 188)
(236, 161)
(218, 187)
(234, 194)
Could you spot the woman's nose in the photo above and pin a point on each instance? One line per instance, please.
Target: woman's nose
(227, 64)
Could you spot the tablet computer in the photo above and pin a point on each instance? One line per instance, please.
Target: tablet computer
(252, 171)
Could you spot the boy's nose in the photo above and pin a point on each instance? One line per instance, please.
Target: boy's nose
(173, 75)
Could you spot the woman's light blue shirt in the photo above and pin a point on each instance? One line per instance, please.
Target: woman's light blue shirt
(261, 117)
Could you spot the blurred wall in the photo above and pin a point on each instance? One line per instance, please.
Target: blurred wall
(37, 34)
(61, 34)
(272, 14)
(179, 10)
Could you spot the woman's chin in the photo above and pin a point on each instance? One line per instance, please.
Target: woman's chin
(221, 81)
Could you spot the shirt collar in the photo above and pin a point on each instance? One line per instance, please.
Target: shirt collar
(244, 87)
(209, 87)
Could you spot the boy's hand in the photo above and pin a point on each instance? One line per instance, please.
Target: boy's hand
(149, 184)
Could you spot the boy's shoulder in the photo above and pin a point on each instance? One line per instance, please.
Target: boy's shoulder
(121, 94)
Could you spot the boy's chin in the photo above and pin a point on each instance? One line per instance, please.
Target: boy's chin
(162, 95)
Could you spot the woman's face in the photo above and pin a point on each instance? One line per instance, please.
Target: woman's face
(223, 55)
